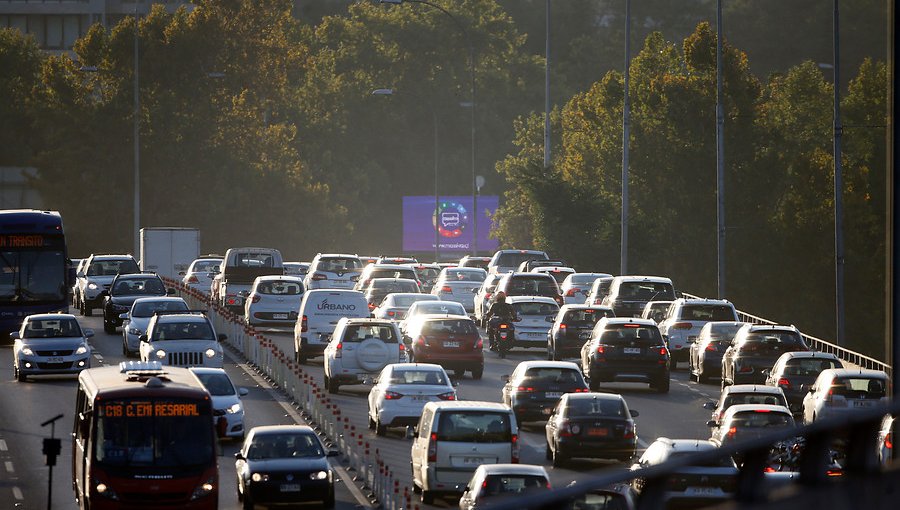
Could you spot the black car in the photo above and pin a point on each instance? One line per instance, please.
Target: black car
(705, 356)
(123, 290)
(535, 387)
(284, 464)
(755, 349)
(626, 350)
(795, 373)
(591, 425)
(572, 328)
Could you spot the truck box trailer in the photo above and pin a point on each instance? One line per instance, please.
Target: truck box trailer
(168, 251)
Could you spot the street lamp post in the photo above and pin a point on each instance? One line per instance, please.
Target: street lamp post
(626, 137)
(465, 32)
(137, 142)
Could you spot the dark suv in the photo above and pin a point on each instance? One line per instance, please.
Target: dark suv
(123, 290)
(755, 349)
(529, 284)
(451, 341)
(626, 350)
(629, 294)
(535, 387)
(572, 328)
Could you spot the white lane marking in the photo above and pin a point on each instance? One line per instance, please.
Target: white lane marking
(17, 493)
(642, 443)
(276, 397)
(3, 446)
(9, 467)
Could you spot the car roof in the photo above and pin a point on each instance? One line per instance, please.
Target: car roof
(159, 299)
(702, 301)
(530, 299)
(754, 388)
(112, 257)
(136, 276)
(809, 354)
(208, 370)
(513, 469)
(848, 372)
(522, 274)
(278, 277)
(469, 405)
(743, 408)
(209, 259)
(375, 281)
(688, 444)
(594, 395)
(625, 320)
(438, 316)
(414, 294)
(582, 306)
(339, 255)
(636, 278)
(50, 316)
(388, 266)
(752, 328)
(281, 429)
(182, 317)
(423, 366)
(548, 364)
(552, 269)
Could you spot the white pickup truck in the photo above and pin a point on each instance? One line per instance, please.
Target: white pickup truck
(240, 268)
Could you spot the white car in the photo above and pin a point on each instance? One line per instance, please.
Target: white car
(483, 297)
(183, 340)
(748, 421)
(274, 300)
(296, 269)
(401, 391)
(576, 286)
(459, 284)
(51, 343)
(96, 275)
(394, 306)
(838, 391)
(333, 271)
(685, 319)
(534, 318)
(559, 273)
(200, 273)
(503, 480)
(136, 320)
(359, 349)
(228, 411)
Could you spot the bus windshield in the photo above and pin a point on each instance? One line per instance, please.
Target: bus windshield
(31, 276)
(159, 433)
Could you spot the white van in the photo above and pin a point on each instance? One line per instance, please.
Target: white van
(453, 438)
(320, 311)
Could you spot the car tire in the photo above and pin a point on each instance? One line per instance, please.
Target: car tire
(557, 459)
(371, 423)
(109, 328)
(412, 476)
(125, 351)
(550, 355)
(427, 497)
(247, 503)
(19, 375)
(477, 373)
(459, 373)
(549, 453)
(331, 385)
(380, 428)
(662, 385)
(702, 378)
(329, 501)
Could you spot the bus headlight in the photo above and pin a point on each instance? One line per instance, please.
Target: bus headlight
(318, 475)
(106, 491)
(204, 489)
(236, 408)
(27, 351)
(210, 353)
(82, 349)
(259, 477)
(161, 354)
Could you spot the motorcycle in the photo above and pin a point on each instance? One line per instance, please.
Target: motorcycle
(501, 334)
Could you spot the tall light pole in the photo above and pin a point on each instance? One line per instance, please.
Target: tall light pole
(547, 90)
(720, 157)
(465, 33)
(838, 184)
(137, 141)
(626, 137)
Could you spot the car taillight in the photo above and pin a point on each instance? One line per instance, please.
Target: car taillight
(525, 389)
(570, 292)
(391, 313)
(421, 340)
(447, 289)
(447, 396)
(663, 351)
(432, 448)
(828, 397)
(580, 390)
(319, 276)
(371, 306)
(745, 369)
(629, 431)
(682, 325)
(479, 344)
(392, 395)
(784, 383)
(732, 431)
(303, 325)
(515, 449)
(889, 441)
(566, 429)
(711, 347)
(254, 298)
(193, 279)
(563, 326)
(337, 349)
(487, 295)
(600, 348)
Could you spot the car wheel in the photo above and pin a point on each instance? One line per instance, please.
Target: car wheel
(87, 310)
(240, 495)
(380, 428)
(549, 453)
(427, 497)
(557, 458)
(412, 473)
(550, 356)
(477, 373)
(329, 501)
(301, 359)
(248, 503)
(702, 378)
(459, 373)
(371, 423)
(662, 386)
(331, 384)
(19, 375)
(125, 349)
(109, 328)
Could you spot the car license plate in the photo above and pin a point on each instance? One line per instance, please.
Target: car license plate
(290, 487)
(631, 350)
(451, 344)
(584, 335)
(599, 432)
(702, 491)
(547, 410)
(55, 360)
(279, 316)
(553, 394)
(863, 403)
(472, 461)
(419, 398)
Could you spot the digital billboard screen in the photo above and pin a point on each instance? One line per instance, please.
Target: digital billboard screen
(453, 221)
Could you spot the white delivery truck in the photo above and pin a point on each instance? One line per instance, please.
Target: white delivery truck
(168, 251)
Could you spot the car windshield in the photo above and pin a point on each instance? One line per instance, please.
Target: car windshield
(450, 327)
(707, 313)
(809, 367)
(500, 485)
(359, 333)
(112, 267)
(182, 331)
(412, 376)
(284, 446)
(646, 291)
(338, 264)
(631, 333)
(532, 286)
(722, 462)
(586, 317)
(552, 375)
(531, 308)
(475, 427)
(217, 384)
(147, 309)
(135, 286)
(51, 328)
(280, 288)
(594, 408)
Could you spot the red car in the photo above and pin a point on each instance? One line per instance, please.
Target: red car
(451, 341)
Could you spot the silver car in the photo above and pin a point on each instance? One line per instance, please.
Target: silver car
(459, 284)
(395, 305)
(483, 297)
(52, 343)
(228, 411)
(296, 269)
(534, 318)
(274, 300)
(333, 271)
(576, 286)
(199, 275)
(138, 317)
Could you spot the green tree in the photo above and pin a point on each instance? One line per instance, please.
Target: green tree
(21, 61)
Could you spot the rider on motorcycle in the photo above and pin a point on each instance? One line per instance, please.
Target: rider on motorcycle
(500, 311)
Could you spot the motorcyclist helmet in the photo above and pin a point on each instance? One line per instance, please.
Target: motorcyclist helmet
(501, 297)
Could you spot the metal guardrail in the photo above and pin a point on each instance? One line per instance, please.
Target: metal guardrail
(860, 360)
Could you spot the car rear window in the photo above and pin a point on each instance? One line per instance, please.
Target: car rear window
(451, 326)
(586, 317)
(752, 398)
(627, 333)
(409, 300)
(530, 308)
(721, 462)
(206, 266)
(280, 288)
(412, 376)
(858, 387)
(475, 427)
(537, 285)
(242, 259)
(761, 419)
(464, 275)
(338, 264)
(708, 313)
(443, 308)
(514, 259)
(646, 291)
(393, 273)
(773, 342)
(594, 408)
(427, 273)
(359, 333)
(809, 366)
(559, 276)
(502, 485)
(552, 375)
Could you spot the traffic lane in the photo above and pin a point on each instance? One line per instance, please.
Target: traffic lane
(261, 407)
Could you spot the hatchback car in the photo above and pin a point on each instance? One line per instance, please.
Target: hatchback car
(535, 387)
(795, 373)
(626, 350)
(590, 425)
(744, 394)
(52, 343)
(274, 300)
(228, 411)
(136, 320)
(427, 275)
(401, 391)
(598, 291)
(534, 318)
(359, 349)
(748, 421)
(572, 328)
(755, 349)
(385, 271)
(284, 464)
(459, 284)
(686, 317)
(200, 273)
(123, 290)
(394, 306)
(697, 485)
(576, 286)
(492, 482)
(378, 288)
(333, 271)
(183, 339)
(840, 391)
(430, 308)
(450, 341)
(629, 294)
(705, 354)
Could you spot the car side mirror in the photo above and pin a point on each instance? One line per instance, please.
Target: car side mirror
(143, 338)
(411, 432)
(551, 319)
(88, 333)
(765, 372)
(633, 413)
(504, 378)
(243, 392)
(80, 274)
(170, 291)
(239, 456)
(332, 453)
(182, 273)
(244, 293)
(803, 388)
(710, 405)
(222, 337)
(712, 424)
(14, 335)
(454, 383)
(123, 316)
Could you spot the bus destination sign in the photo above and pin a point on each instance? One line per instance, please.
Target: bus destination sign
(25, 241)
(149, 409)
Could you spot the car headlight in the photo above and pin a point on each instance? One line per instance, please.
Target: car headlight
(82, 349)
(161, 354)
(318, 475)
(27, 351)
(259, 477)
(236, 408)
(210, 353)
(204, 489)
(92, 286)
(135, 331)
(106, 491)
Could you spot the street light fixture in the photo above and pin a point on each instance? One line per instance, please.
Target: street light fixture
(465, 32)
